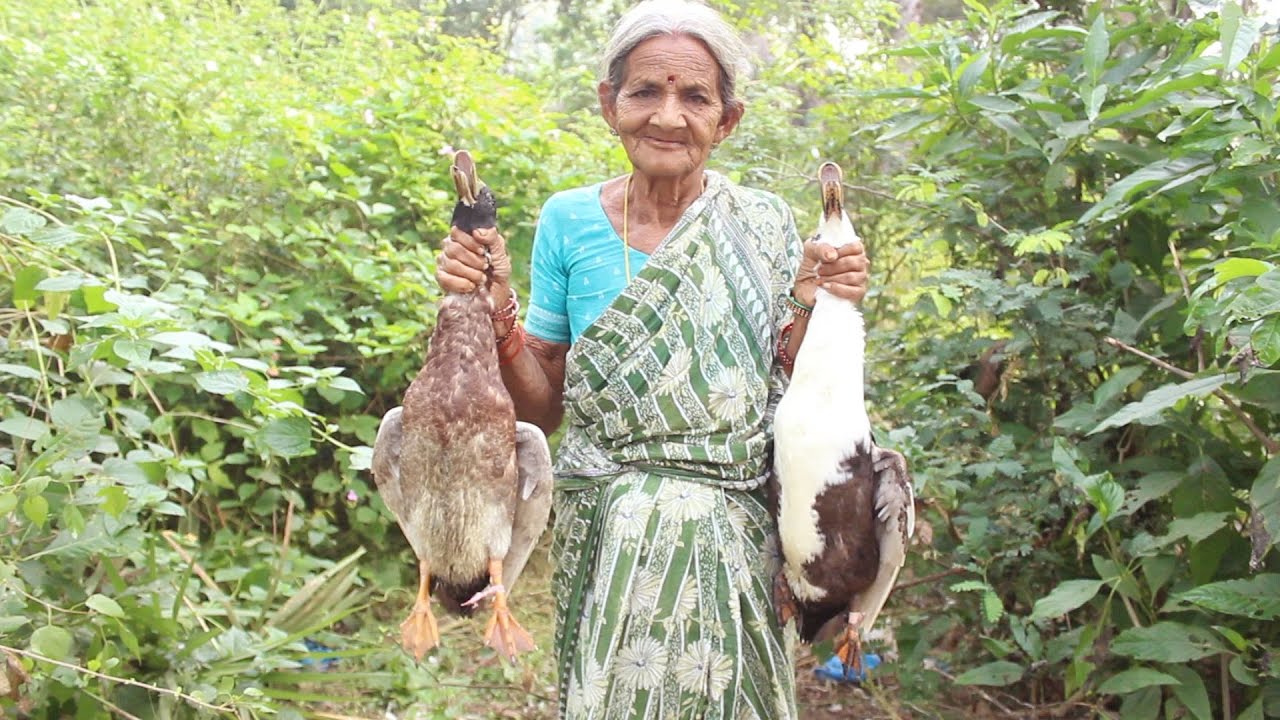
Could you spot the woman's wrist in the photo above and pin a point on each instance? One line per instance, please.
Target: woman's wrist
(804, 294)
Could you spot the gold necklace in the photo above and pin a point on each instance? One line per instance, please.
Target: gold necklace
(626, 247)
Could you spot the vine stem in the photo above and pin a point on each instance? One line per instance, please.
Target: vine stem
(116, 679)
(1268, 443)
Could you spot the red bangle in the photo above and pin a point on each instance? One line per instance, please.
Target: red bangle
(784, 338)
(508, 311)
(511, 345)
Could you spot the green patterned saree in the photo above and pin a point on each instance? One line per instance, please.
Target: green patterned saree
(665, 549)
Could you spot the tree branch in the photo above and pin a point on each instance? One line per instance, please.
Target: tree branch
(1268, 443)
(123, 681)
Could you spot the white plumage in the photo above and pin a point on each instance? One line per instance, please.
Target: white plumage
(845, 507)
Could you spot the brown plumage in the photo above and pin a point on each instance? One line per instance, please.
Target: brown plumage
(461, 475)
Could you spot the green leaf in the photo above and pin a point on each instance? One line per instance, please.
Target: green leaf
(1135, 679)
(1162, 171)
(24, 427)
(1168, 642)
(1197, 527)
(972, 73)
(288, 437)
(222, 382)
(62, 283)
(992, 608)
(1119, 381)
(105, 605)
(52, 642)
(999, 673)
(95, 302)
(25, 280)
(905, 123)
(1068, 596)
(1097, 45)
(1235, 267)
(21, 221)
(115, 500)
(1162, 398)
(1191, 692)
(1011, 126)
(188, 339)
(1093, 102)
(346, 384)
(36, 508)
(22, 371)
(1257, 597)
(1265, 497)
(1238, 33)
(995, 103)
(1266, 341)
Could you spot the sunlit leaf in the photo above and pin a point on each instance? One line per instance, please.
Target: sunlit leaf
(52, 642)
(222, 382)
(1096, 48)
(1238, 34)
(24, 427)
(1162, 398)
(105, 605)
(1068, 596)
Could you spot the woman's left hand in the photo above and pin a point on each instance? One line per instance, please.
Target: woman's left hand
(840, 271)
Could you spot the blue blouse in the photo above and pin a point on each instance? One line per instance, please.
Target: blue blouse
(577, 268)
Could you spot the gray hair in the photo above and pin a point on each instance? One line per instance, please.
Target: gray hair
(652, 18)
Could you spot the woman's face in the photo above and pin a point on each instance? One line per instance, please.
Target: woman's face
(668, 112)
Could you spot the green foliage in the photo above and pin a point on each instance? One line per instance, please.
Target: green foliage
(1101, 190)
(221, 247)
(219, 223)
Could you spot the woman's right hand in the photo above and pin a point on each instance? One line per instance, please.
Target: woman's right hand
(461, 265)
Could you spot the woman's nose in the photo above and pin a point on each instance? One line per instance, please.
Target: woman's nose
(669, 114)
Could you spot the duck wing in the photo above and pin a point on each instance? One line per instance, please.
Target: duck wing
(895, 524)
(533, 505)
(386, 462)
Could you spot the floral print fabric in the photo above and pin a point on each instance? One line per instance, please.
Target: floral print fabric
(666, 551)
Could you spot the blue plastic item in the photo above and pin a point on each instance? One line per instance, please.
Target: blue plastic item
(833, 669)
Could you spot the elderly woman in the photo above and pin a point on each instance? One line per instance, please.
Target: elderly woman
(657, 306)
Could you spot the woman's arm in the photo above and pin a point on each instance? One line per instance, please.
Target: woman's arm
(535, 379)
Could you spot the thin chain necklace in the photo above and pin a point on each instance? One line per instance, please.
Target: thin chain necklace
(626, 247)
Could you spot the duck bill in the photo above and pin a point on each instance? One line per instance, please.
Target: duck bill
(830, 177)
(463, 171)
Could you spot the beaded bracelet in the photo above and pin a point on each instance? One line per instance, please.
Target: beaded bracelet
(508, 311)
(798, 308)
(784, 338)
(511, 345)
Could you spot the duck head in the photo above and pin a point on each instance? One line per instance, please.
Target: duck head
(835, 230)
(477, 207)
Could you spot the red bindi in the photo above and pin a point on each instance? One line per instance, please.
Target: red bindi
(671, 79)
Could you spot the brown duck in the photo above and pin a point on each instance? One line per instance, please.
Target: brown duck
(469, 485)
(845, 507)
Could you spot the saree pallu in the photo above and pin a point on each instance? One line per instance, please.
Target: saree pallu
(665, 549)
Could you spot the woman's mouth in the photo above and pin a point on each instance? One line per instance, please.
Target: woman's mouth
(666, 144)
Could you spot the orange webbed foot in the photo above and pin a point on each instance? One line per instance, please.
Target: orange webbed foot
(419, 632)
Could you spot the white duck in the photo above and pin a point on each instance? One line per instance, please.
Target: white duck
(845, 507)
